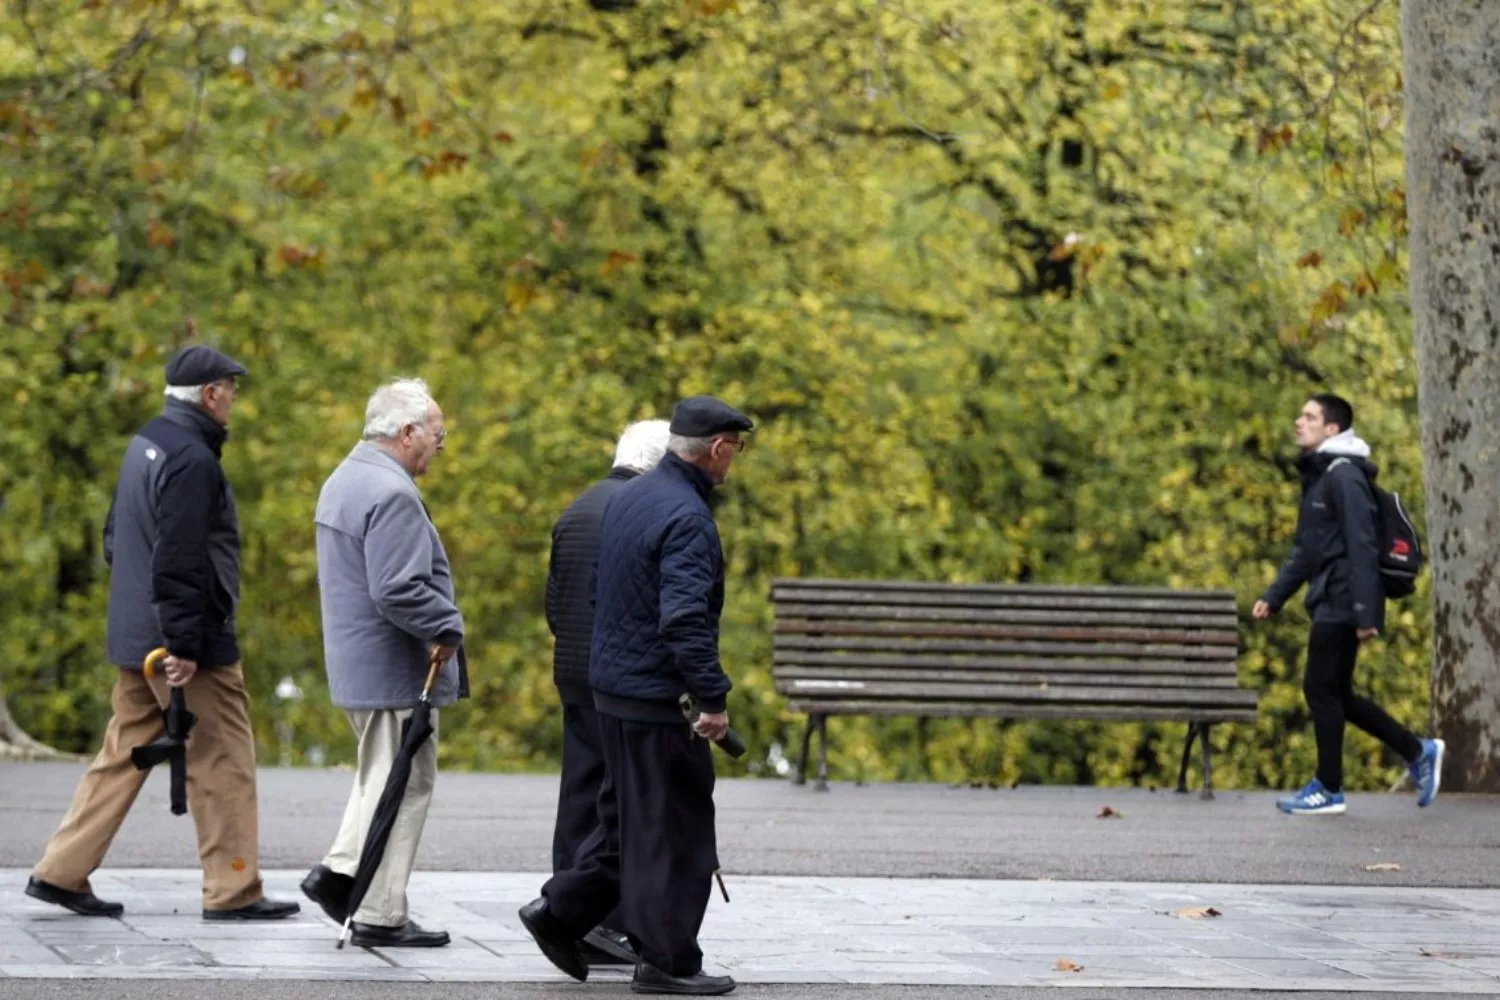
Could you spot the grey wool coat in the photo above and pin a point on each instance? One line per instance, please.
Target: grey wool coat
(386, 587)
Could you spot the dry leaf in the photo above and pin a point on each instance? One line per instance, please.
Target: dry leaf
(1446, 955)
(1198, 913)
(1383, 866)
(1068, 965)
(1108, 812)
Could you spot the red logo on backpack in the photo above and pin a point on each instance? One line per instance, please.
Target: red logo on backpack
(1400, 549)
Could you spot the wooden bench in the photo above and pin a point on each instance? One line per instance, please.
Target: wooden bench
(1132, 654)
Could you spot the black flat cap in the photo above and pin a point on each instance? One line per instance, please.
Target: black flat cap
(199, 364)
(705, 416)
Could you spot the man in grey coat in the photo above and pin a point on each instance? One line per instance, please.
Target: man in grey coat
(388, 612)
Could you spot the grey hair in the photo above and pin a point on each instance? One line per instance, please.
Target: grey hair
(642, 445)
(686, 447)
(395, 405)
(186, 393)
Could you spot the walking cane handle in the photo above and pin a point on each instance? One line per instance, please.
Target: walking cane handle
(152, 659)
(432, 672)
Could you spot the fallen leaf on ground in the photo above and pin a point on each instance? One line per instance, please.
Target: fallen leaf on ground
(1439, 954)
(1068, 965)
(1198, 913)
(1108, 812)
(1383, 866)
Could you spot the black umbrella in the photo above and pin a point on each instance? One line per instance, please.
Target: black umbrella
(414, 732)
(171, 745)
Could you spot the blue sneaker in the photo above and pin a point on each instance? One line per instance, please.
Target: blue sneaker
(1427, 771)
(1314, 800)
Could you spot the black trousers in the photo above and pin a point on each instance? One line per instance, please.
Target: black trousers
(583, 773)
(1328, 686)
(654, 852)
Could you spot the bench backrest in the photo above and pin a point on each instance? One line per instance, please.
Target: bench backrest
(882, 647)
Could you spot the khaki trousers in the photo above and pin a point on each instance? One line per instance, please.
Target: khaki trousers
(379, 735)
(220, 786)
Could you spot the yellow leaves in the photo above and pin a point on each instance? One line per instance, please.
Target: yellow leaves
(159, 235)
(33, 273)
(519, 295)
(1330, 302)
(351, 41)
(447, 162)
(310, 258)
(1365, 284)
(1067, 965)
(1310, 259)
(616, 260)
(1350, 220)
(296, 181)
(1273, 140)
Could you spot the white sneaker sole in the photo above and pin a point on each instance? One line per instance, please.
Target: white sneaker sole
(1437, 771)
(1337, 809)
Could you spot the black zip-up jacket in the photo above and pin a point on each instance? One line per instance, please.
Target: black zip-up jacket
(1336, 551)
(658, 596)
(172, 542)
(570, 585)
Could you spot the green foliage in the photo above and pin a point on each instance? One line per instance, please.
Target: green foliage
(1019, 291)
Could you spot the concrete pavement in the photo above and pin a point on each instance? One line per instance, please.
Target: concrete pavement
(492, 822)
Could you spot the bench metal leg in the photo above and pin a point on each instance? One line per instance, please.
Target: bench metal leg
(1187, 755)
(801, 779)
(1208, 763)
(822, 783)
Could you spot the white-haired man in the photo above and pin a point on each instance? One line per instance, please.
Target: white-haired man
(173, 547)
(388, 611)
(570, 616)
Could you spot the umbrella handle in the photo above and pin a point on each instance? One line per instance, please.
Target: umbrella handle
(152, 659)
(432, 676)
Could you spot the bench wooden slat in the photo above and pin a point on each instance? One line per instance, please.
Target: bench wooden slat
(1058, 590)
(1183, 604)
(1024, 693)
(797, 659)
(790, 673)
(1001, 710)
(1005, 616)
(798, 626)
(946, 645)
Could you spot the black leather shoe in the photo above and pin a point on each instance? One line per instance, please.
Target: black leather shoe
(607, 946)
(649, 979)
(261, 909)
(329, 890)
(554, 940)
(85, 904)
(408, 935)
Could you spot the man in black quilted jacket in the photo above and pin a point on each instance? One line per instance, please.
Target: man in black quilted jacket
(658, 595)
(570, 616)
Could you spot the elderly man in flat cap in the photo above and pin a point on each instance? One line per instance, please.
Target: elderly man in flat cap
(659, 592)
(173, 547)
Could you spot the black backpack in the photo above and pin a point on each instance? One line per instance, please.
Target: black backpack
(1400, 547)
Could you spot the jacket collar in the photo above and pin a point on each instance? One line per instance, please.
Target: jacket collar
(370, 453)
(695, 477)
(622, 472)
(194, 418)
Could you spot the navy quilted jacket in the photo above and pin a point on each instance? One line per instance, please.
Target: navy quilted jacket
(659, 591)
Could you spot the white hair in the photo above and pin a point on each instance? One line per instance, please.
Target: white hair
(687, 447)
(642, 445)
(396, 405)
(186, 393)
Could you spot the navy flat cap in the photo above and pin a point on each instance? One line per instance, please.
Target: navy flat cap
(705, 416)
(199, 364)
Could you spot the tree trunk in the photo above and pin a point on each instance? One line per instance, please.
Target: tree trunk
(1452, 69)
(16, 745)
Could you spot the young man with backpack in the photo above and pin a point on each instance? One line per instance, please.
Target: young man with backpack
(1354, 547)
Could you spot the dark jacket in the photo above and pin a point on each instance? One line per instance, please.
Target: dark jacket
(172, 542)
(570, 585)
(1336, 551)
(658, 594)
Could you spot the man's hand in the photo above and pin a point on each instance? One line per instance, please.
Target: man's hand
(1366, 634)
(1262, 610)
(440, 654)
(179, 671)
(712, 727)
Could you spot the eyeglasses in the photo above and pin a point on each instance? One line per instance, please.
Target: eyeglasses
(739, 443)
